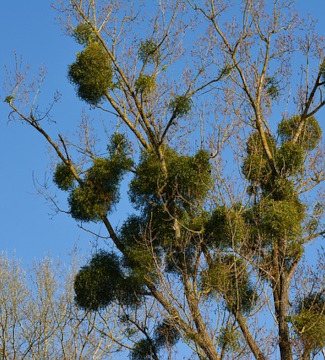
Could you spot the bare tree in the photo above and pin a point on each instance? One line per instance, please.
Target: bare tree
(39, 320)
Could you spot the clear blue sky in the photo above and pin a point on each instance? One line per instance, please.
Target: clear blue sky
(27, 228)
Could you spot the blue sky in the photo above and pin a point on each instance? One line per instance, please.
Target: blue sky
(29, 28)
(28, 228)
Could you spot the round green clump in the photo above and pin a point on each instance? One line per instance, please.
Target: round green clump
(280, 189)
(256, 166)
(181, 105)
(83, 33)
(148, 51)
(166, 334)
(226, 227)
(119, 154)
(254, 144)
(187, 181)
(95, 284)
(229, 276)
(280, 219)
(290, 158)
(99, 193)
(310, 135)
(145, 84)
(63, 177)
(143, 349)
(91, 73)
(229, 339)
(85, 205)
(271, 86)
(309, 322)
(103, 281)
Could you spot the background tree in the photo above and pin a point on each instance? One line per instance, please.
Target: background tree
(209, 249)
(39, 319)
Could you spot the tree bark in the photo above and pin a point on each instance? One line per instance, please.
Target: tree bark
(281, 301)
(248, 336)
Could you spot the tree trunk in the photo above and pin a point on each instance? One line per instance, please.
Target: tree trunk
(248, 336)
(281, 302)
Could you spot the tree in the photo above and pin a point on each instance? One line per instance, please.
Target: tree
(39, 319)
(210, 249)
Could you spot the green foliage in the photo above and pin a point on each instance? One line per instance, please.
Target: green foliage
(132, 229)
(271, 86)
(8, 99)
(145, 84)
(103, 281)
(144, 349)
(180, 258)
(149, 51)
(229, 339)
(119, 150)
(95, 283)
(309, 137)
(183, 188)
(229, 276)
(181, 105)
(280, 219)
(226, 227)
(256, 167)
(138, 257)
(165, 335)
(91, 73)
(83, 34)
(255, 146)
(63, 177)
(225, 71)
(100, 189)
(280, 189)
(290, 158)
(86, 206)
(187, 181)
(309, 322)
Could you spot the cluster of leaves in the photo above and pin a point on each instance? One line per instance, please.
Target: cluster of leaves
(149, 51)
(229, 276)
(145, 84)
(309, 137)
(135, 240)
(182, 187)
(63, 177)
(225, 71)
(272, 87)
(256, 167)
(280, 219)
(8, 99)
(278, 213)
(187, 181)
(83, 34)
(309, 322)
(226, 227)
(91, 73)
(229, 339)
(104, 280)
(165, 335)
(180, 106)
(99, 190)
(288, 156)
